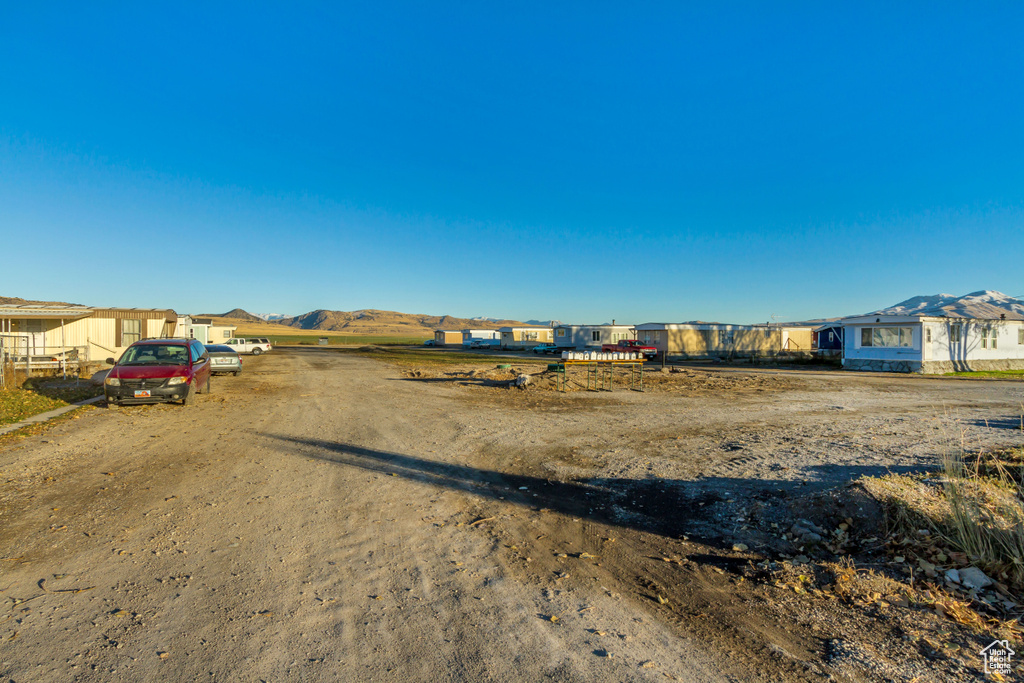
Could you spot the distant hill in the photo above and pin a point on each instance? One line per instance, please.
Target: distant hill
(235, 314)
(15, 301)
(373, 321)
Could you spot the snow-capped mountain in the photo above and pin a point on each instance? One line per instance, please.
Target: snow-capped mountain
(983, 304)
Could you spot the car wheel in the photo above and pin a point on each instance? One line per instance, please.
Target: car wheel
(208, 378)
(189, 395)
(237, 373)
(257, 351)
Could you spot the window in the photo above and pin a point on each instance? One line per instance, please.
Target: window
(595, 335)
(831, 337)
(989, 335)
(954, 333)
(726, 337)
(928, 334)
(657, 335)
(886, 337)
(131, 331)
(1020, 335)
(560, 332)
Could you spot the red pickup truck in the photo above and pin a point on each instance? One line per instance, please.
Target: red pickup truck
(631, 346)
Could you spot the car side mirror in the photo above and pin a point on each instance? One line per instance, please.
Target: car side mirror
(110, 361)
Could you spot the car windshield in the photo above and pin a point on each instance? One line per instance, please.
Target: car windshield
(155, 354)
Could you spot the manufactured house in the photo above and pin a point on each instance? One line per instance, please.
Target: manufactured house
(525, 337)
(52, 334)
(484, 337)
(480, 335)
(717, 340)
(979, 331)
(204, 329)
(583, 337)
(447, 337)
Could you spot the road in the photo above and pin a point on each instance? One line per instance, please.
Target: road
(322, 518)
(294, 524)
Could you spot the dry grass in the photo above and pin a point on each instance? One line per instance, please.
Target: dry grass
(975, 508)
(986, 518)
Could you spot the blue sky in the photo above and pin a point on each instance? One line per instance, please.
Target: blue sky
(578, 161)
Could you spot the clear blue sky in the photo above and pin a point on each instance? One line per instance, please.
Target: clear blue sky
(580, 161)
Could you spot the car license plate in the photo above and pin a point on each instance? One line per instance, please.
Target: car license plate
(142, 393)
(222, 361)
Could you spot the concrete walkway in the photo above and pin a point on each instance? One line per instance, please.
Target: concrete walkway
(49, 414)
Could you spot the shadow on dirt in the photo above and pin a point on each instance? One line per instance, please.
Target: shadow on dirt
(1014, 423)
(461, 380)
(668, 508)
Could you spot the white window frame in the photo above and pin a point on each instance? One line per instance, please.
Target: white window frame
(873, 336)
(989, 337)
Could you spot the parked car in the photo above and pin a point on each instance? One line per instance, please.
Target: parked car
(429, 342)
(253, 345)
(158, 370)
(223, 358)
(545, 348)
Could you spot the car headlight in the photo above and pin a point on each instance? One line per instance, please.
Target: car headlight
(112, 382)
(174, 381)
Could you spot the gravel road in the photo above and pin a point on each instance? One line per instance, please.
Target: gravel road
(323, 517)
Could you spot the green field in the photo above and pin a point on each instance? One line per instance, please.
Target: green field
(1008, 374)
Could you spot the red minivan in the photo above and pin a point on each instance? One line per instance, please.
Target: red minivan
(157, 370)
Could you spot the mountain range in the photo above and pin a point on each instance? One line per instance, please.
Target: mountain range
(983, 304)
(372, 322)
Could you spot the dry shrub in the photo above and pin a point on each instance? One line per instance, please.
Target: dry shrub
(986, 518)
(975, 507)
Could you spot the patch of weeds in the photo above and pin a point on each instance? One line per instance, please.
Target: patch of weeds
(38, 395)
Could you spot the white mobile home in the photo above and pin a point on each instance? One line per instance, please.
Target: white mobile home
(480, 335)
(584, 337)
(979, 331)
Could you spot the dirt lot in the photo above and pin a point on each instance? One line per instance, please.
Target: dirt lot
(328, 517)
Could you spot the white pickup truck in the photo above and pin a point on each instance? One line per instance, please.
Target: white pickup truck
(255, 346)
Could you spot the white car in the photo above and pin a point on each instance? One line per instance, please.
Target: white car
(255, 346)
